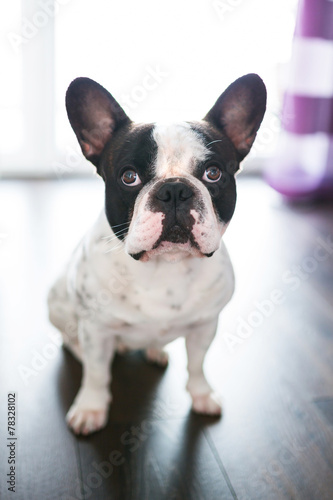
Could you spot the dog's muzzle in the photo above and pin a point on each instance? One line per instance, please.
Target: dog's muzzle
(175, 199)
(174, 220)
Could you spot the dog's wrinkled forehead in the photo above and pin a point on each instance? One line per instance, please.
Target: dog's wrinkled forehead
(180, 149)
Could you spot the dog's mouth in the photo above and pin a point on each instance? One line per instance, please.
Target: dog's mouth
(175, 234)
(173, 245)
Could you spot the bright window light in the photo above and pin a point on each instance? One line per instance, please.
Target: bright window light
(161, 61)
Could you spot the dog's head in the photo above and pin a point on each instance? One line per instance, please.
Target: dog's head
(170, 189)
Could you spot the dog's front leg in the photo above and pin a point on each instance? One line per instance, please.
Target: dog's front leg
(89, 410)
(204, 400)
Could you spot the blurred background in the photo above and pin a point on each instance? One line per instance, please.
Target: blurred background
(272, 358)
(160, 60)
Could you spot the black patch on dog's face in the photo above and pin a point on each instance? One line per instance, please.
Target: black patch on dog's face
(132, 148)
(222, 155)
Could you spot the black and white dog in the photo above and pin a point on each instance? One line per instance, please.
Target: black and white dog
(153, 266)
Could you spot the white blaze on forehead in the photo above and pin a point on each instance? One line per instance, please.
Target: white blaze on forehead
(179, 149)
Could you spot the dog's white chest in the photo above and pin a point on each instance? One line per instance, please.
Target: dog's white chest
(158, 293)
(171, 292)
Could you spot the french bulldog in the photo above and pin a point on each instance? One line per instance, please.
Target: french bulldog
(153, 267)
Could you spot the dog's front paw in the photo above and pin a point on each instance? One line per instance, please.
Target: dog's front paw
(84, 421)
(207, 404)
(89, 412)
(157, 356)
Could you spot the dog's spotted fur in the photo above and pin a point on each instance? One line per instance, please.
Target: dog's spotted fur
(153, 266)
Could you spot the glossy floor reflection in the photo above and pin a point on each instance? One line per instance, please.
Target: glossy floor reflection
(271, 361)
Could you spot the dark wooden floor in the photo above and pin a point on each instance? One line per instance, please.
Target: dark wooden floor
(275, 439)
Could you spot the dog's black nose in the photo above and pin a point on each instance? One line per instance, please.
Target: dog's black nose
(174, 192)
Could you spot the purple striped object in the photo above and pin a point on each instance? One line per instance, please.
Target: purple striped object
(303, 164)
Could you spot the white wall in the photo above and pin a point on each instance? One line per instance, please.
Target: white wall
(196, 48)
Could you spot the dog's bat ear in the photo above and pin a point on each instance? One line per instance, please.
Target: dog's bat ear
(239, 111)
(94, 115)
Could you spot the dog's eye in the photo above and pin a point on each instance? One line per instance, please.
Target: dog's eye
(212, 174)
(131, 178)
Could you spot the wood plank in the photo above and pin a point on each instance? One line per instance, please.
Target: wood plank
(275, 440)
(161, 459)
(272, 440)
(46, 451)
(326, 408)
(31, 364)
